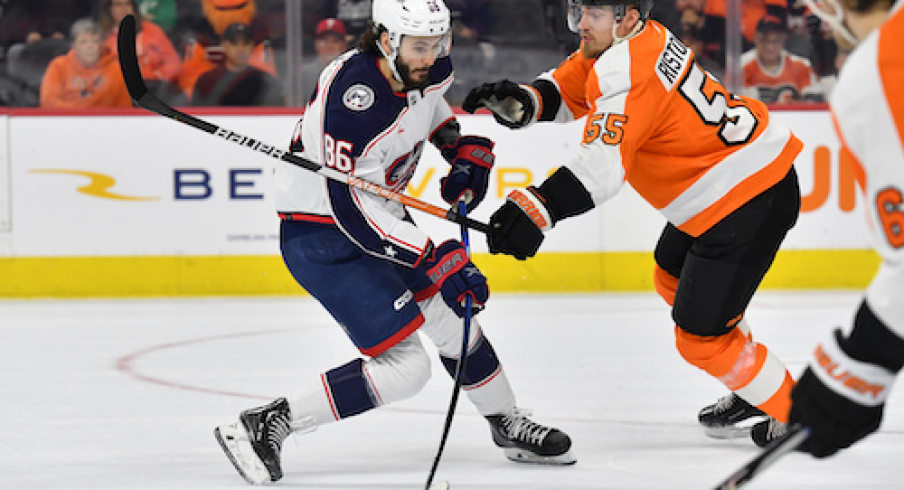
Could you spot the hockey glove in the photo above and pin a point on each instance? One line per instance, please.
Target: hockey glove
(472, 159)
(517, 227)
(840, 398)
(513, 105)
(450, 269)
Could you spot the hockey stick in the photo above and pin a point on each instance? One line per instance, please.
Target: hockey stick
(459, 371)
(128, 62)
(778, 448)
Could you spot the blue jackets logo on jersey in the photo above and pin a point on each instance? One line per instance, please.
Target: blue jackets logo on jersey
(400, 172)
(358, 97)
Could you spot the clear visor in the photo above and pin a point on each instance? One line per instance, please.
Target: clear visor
(830, 12)
(577, 9)
(574, 15)
(425, 46)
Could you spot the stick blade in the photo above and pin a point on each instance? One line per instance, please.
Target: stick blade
(128, 59)
(778, 448)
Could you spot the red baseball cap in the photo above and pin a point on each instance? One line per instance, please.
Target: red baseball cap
(334, 26)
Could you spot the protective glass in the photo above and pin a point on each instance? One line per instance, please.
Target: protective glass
(830, 12)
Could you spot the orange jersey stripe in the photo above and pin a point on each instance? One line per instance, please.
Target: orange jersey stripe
(571, 77)
(690, 148)
(891, 69)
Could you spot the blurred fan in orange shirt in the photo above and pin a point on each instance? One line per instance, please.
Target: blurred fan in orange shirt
(87, 76)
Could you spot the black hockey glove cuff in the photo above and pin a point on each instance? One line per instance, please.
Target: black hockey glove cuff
(840, 398)
(517, 227)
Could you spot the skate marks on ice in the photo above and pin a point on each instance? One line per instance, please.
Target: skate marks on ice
(126, 394)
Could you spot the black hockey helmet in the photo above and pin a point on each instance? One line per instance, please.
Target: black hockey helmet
(620, 7)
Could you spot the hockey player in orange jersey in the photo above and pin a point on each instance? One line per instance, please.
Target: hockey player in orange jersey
(713, 163)
(842, 393)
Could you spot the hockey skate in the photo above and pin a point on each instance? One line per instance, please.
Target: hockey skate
(729, 417)
(767, 431)
(253, 444)
(525, 441)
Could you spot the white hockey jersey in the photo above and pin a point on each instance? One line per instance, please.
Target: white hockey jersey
(356, 123)
(868, 111)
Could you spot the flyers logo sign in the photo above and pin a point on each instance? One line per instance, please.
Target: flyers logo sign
(99, 185)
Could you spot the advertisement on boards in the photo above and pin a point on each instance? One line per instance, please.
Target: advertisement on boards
(135, 185)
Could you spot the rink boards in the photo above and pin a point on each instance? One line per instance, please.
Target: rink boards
(132, 204)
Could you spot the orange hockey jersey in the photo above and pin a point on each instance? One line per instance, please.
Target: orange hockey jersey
(792, 81)
(660, 122)
(71, 85)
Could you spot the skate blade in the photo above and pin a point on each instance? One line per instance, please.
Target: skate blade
(234, 441)
(727, 432)
(523, 456)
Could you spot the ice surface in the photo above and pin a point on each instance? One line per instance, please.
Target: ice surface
(124, 394)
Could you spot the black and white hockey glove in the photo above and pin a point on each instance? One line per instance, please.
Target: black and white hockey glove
(513, 105)
(517, 227)
(449, 269)
(840, 398)
(472, 160)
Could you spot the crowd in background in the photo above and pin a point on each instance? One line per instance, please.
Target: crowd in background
(62, 53)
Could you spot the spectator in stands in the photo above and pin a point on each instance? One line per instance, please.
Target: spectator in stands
(235, 82)
(690, 31)
(20, 19)
(712, 31)
(161, 12)
(355, 14)
(87, 76)
(771, 73)
(330, 40)
(157, 58)
(202, 46)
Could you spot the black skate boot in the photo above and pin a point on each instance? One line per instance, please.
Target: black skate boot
(722, 419)
(525, 441)
(767, 431)
(263, 429)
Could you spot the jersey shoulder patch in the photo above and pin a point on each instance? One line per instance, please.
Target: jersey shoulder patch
(360, 103)
(358, 97)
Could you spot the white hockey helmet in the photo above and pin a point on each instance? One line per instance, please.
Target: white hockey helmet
(619, 7)
(424, 18)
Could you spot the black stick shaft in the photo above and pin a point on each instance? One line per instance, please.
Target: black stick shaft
(780, 447)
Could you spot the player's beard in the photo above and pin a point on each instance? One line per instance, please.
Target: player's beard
(407, 79)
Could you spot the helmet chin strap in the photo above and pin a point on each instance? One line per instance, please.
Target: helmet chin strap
(391, 58)
(617, 39)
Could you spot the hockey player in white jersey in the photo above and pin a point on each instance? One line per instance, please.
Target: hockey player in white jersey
(841, 394)
(382, 278)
